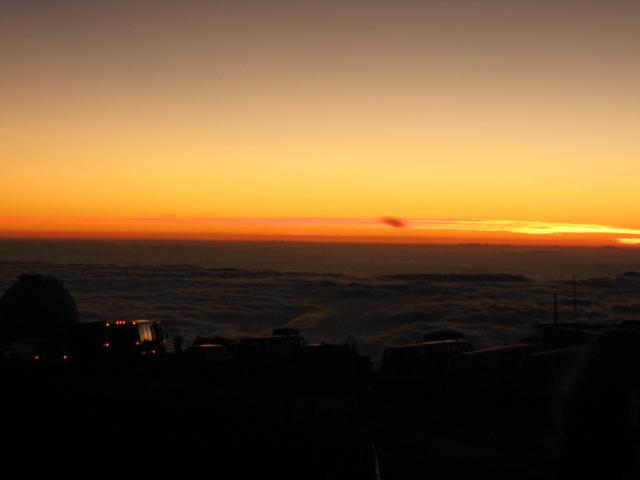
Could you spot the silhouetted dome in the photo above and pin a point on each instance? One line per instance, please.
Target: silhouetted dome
(35, 306)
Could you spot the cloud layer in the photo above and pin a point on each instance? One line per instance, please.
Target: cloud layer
(491, 309)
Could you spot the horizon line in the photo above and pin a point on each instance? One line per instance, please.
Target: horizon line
(378, 230)
(80, 236)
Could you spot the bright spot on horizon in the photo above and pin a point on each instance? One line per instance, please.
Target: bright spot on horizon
(629, 241)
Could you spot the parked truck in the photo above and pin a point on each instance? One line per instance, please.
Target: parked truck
(115, 339)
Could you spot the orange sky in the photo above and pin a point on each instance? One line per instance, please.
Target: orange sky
(305, 121)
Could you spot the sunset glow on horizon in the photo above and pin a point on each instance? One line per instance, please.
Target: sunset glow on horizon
(491, 122)
(378, 230)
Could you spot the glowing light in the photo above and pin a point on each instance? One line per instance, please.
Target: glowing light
(524, 227)
(629, 241)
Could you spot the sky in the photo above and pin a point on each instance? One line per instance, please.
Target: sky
(406, 121)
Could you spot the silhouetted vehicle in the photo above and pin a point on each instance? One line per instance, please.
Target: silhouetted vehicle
(116, 338)
(421, 361)
(209, 354)
(562, 335)
(332, 360)
(491, 369)
(36, 351)
(257, 352)
(215, 340)
(553, 373)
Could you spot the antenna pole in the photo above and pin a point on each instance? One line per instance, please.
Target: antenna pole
(555, 309)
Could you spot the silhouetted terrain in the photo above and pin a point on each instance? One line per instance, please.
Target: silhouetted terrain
(527, 411)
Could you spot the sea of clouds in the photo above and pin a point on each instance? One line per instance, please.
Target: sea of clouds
(376, 310)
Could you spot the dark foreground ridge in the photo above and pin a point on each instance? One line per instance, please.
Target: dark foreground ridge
(562, 404)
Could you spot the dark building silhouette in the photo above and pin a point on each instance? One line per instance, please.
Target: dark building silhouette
(36, 306)
(601, 424)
